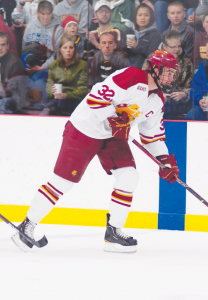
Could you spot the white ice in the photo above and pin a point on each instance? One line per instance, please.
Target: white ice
(169, 265)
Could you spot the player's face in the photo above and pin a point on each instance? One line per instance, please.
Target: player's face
(143, 17)
(103, 15)
(167, 76)
(45, 17)
(176, 15)
(107, 44)
(72, 30)
(67, 51)
(205, 24)
(173, 47)
(4, 46)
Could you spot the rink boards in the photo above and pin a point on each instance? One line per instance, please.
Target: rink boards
(28, 151)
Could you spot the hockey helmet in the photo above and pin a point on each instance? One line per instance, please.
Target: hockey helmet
(158, 60)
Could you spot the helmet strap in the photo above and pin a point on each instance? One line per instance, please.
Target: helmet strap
(154, 75)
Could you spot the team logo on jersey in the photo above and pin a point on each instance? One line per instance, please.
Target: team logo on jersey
(74, 173)
(131, 110)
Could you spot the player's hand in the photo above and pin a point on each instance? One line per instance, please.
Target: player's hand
(120, 126)
(171, 171)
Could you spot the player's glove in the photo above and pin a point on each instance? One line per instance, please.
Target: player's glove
(120, 126)
(170, 173)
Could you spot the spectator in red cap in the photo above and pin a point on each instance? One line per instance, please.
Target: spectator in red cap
(71, 28)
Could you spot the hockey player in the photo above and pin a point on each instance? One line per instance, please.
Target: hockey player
(100, 126)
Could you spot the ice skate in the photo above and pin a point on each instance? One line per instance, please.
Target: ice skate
(26, 227)
(117, 241)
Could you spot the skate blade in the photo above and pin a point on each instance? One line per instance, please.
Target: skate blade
(113, 247)
(15, 238)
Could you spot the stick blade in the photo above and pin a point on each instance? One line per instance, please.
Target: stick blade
(42, 242)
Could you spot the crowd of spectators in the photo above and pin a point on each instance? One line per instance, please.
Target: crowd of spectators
(53, 51)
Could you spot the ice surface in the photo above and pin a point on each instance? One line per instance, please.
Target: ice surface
(169, 265)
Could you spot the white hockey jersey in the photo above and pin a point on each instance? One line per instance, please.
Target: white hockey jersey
(124, 90)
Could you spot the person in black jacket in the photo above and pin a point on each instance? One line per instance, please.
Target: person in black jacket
(146, 37)
(107, 60)
(6, 9)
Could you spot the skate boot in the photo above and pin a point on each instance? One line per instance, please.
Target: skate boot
(20, 241)
(117, 241)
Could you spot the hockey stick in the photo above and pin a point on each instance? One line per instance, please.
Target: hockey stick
(41, 243)
(161, 165)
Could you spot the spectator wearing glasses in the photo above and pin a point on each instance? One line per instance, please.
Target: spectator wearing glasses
(103, 15)
(177, 98)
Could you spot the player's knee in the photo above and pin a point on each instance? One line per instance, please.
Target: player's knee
(126, 179)
(61, 184)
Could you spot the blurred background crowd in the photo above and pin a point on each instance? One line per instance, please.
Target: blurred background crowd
(52, 52)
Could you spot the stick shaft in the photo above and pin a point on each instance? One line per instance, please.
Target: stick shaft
(185, 185)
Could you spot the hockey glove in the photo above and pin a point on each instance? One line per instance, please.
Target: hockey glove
(170, 173)
(120, 126)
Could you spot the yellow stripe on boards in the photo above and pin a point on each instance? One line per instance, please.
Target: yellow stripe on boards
(96, 217)
(81, 217)
(196, 223)
(14, 213)
(142, 220)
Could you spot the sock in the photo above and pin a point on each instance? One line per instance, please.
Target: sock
(43, 202)
(120, 205)
(47, 196)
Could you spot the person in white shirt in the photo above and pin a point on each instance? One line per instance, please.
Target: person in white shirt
(100, 126)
